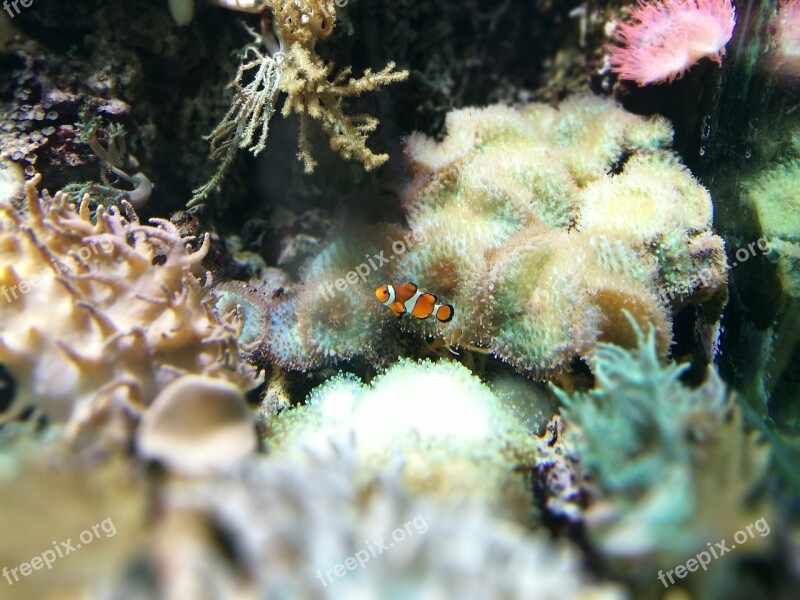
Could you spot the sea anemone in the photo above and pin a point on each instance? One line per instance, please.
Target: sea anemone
(665, 39)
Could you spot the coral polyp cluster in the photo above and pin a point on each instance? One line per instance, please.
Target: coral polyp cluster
(539, 225)
(472, 457)
(101, 313)
(332, 315)
(544, 224)
(670, 467)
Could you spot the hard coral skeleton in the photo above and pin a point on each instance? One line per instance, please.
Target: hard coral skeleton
(291, 66)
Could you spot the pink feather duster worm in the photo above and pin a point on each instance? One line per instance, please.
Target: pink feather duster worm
(665, 38)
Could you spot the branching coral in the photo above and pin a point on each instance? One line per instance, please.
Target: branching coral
(671, 467)
(99, 316)
(292, 66)
(471, 457)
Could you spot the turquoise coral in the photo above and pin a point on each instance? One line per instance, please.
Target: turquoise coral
(670, 467)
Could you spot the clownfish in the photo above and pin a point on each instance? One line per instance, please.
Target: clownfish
(408, 299)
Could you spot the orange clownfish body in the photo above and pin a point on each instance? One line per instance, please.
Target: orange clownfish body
(407, 298)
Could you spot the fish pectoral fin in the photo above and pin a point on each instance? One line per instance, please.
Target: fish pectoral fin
(397, 308)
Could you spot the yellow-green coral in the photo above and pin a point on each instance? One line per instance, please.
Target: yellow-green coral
(774, 194)
(547, 222)
(540, 225)
(333, 315)
(99, 315)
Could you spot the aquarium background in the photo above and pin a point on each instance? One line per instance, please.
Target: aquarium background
(400, 299)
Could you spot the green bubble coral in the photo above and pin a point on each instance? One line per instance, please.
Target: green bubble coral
(332, 315)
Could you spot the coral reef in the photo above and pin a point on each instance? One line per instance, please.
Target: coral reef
(671, 467)
(666, 38)
(407, 414)
(211, 401)
(101, 314)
